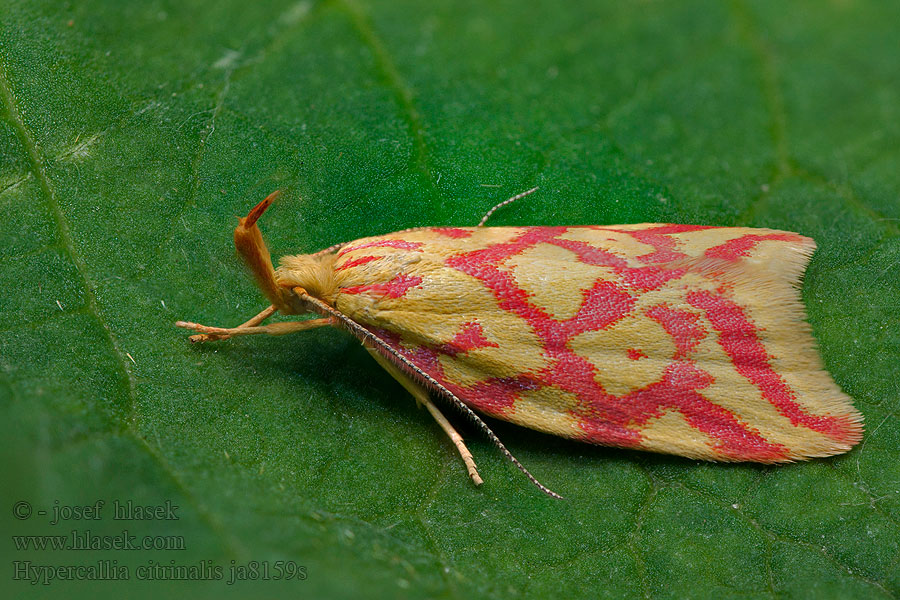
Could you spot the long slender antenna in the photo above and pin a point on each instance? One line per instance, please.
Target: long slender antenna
(388, 352)
(504, 203)
(487, 215)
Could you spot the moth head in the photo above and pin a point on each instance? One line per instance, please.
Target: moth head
(312, 272)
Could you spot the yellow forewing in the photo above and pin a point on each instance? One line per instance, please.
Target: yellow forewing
(680, 339)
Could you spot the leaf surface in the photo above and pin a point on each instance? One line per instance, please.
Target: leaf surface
(132, 133)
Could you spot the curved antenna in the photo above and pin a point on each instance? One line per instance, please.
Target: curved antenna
(481, 223)
(364, 335)
(488, 214)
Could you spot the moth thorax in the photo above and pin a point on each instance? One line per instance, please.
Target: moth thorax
(312, 272)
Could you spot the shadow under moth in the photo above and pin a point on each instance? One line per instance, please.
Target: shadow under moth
(682, 339)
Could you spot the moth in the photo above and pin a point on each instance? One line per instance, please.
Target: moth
(682, 339)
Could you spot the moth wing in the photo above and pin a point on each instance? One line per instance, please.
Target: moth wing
(671, 338)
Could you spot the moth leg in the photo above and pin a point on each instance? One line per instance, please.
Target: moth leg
(457, 440)
(253, 322)
(422, 398)
(284, 328)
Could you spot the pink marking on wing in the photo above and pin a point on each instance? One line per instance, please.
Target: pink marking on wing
(357, 262)
(738, 337)
(643, 278)
(453, 232)
(496, 396)
(592, 255)
(395, 288)
(679, 390)
(601, 306)
(636, 353)
(683, 326)
(650, 277)
(663, 246)
(399, 244)
(470, 337)
(739, 247)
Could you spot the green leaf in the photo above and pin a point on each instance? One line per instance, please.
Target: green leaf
(131, 133)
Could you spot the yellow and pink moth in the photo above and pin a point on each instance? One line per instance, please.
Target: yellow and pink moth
(682, 339)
